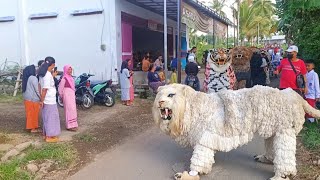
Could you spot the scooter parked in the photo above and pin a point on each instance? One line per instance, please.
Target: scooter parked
(84, 94)
(102, 96)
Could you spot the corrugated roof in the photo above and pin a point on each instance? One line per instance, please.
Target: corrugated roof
(157, 7)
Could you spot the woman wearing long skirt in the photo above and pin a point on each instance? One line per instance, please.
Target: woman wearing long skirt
(50, 114)
(31, 95)
(125, 82)
(67, 93)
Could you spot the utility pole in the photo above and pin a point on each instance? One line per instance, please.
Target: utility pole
(258, 34)
(179, 8)
(165, 39)
(238, 21)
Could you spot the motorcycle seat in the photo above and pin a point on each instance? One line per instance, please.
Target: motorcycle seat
(94, 83)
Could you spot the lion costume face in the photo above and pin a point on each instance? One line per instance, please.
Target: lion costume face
(169, 108)
(241, 57)
(219, 59)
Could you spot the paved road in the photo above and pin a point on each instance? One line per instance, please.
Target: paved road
(154, 156)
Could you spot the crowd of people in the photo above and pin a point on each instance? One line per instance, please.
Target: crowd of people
(39, 87)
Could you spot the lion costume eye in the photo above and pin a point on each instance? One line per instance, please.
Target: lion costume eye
(171, 95)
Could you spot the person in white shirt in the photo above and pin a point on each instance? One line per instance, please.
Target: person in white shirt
(50, 114)
(313, 94)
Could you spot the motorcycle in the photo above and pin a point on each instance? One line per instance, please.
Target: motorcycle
(101, 95)
(84, 94)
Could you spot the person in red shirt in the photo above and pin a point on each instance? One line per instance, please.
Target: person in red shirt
(288, 77)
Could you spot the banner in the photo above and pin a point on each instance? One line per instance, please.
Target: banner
(196, 20)
(220, 29)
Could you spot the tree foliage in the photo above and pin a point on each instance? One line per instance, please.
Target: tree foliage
(300, 22)
(257, 19)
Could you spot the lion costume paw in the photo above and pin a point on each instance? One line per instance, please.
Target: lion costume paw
(185, 176)
(262, 159)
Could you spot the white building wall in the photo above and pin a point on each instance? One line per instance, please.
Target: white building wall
(74, 40)
(9, 32)
(70, 40)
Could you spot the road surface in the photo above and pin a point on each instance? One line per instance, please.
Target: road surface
(154, 156)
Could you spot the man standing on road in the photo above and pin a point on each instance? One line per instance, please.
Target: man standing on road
(288, 77)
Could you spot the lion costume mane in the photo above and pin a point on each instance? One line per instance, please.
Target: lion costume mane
(222, 121)
(240, 57)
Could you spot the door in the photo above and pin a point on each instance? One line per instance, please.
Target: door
(126, 33)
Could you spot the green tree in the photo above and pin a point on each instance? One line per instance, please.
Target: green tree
(256, 19)
(217, 5)
(300, 22)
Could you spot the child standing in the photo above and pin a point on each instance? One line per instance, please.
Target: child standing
(173, 78)
(313, 94)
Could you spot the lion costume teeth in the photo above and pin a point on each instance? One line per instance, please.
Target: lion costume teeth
(229, 119)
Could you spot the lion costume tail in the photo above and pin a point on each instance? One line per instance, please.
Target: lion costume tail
(310, 110)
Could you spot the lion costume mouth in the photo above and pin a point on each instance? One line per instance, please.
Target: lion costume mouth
(166, 113)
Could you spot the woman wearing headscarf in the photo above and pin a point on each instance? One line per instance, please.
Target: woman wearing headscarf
(50, 114)
(31, 96)
(154, 80)
(67, 94)
(125, 82)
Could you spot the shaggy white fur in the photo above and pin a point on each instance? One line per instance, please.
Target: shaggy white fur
(228, 119)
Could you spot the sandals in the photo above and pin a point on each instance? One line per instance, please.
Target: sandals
(35, 131)
(52, 139)
(73, 129)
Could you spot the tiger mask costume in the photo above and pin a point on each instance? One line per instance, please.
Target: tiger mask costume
(219, 73)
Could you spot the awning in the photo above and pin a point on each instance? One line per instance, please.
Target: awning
(157, 7)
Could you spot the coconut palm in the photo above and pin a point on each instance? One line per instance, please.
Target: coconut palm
(256, 19)
(265, 8)
(217, 5)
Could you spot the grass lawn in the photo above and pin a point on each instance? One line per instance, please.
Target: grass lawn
(311, 136)
(61, 153)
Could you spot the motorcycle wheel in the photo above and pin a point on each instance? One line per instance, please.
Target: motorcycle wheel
(109, 99)
(60, 102)
(87, 101)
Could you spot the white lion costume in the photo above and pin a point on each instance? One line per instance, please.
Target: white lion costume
(228, 119)
(219, 73)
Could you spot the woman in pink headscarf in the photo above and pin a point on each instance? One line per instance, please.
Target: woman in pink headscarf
(67, 94)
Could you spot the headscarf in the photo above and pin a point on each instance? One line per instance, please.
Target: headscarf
(48, 61)
(191, 58)
(68, 77)
(125, 65)
(27, 72)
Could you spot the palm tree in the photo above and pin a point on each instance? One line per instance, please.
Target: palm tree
(265, 8)
(217, 5)
(256, 19)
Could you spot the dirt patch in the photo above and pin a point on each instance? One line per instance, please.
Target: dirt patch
(100, 127)
(112, 130)
(305, 163)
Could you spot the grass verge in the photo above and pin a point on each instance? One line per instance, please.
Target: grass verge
(311, 136)
(63, 154)
(10, 99)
